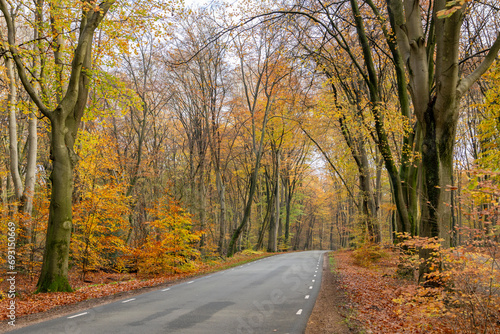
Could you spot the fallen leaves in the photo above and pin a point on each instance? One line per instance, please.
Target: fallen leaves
(383, 303)
(372, 293)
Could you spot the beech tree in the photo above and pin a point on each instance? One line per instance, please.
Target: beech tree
(22, 192)
(436, 85)
(424, 42)
(262, 69)
(64, 119)
(198, 75)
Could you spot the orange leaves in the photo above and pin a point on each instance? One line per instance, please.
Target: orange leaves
(169, 245)
(370, 293)
(101, 208)
(465, 302)
(460, 292)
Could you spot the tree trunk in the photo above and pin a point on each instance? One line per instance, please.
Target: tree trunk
(12, 107)
(279, 227)
(54, 275)
(30, 181)
(288, 200)
(272, 245)
(437, 161)
(369, 211)
(248, 207)
(221, 191)
(202, 209)
(268, 218)
(331, 230)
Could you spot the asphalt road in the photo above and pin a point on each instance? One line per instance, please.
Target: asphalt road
(271, 295)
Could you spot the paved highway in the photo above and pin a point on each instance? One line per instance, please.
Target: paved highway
(271, 295)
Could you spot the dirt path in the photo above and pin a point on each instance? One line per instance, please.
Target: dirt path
(330, 314)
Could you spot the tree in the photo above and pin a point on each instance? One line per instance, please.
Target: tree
(324, 31)
(260, 79)
(436, 87)
(200, 75)
(64, 119)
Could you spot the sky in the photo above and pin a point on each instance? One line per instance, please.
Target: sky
(196, 2)
(203, 2)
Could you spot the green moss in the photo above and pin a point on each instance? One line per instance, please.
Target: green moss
(54, 284)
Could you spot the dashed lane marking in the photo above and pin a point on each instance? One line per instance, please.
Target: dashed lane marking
(166, 289)
(299, 312)
(77, 315)
(306, 297)
(128, 300)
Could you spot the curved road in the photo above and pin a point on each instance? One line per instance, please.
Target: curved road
(271, 295)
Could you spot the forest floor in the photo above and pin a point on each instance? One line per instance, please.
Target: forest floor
(355, 299)
(375, 299)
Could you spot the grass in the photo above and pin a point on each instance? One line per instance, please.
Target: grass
(333, 263)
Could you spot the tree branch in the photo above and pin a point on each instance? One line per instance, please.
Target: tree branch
(19, 64)
(331, 164)
(467, 82)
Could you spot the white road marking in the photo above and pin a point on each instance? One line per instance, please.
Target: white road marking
(190, 282)
(310, 288)
(314, 275)
(77, 315)
(166, 289)
(299, 312)
(307, 297)
(316, 271)
(314, 281)
(128, 300)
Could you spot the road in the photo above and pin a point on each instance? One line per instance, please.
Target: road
(271, 295)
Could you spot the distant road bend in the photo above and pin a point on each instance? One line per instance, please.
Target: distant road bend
(271, 295)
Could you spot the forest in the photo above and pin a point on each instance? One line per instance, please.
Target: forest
(150, 136)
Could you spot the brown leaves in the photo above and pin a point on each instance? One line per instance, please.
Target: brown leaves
(385, 304)
(451, 7)
(461, 294)
(371, 293)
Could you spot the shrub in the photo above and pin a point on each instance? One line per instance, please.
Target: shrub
(462, 285)
(368, 254)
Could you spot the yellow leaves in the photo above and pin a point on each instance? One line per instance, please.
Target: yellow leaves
(100, 213)
(169, 243)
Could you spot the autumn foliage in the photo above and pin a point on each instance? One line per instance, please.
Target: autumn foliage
(194, 136)
(170, 246)
(465, 300)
